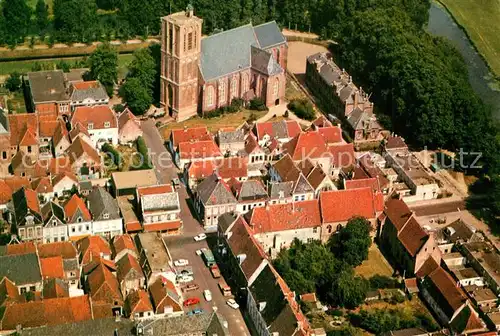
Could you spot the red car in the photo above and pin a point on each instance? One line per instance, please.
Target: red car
(191, 301)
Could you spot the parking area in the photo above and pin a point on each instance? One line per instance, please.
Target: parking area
(184, 247)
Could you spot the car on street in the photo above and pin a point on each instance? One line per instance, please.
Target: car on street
(199, 252)
(232, 303)
(196, 311)
(214, 269)
(207, 294)
(181, 262)
(176, 183)
(191, 301)
(190, 287)
(184, 278)
(200, 237)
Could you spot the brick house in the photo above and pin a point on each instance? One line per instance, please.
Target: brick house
(188, 152)
(201, 74)
(159, 209)
(165, 297)
(78, 218)
(100, 122)
(54, 219)
(70, 263)
(48, 93)
(129, 274)
(129, 128)
(27, 215)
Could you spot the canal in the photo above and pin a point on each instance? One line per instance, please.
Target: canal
(442, 24)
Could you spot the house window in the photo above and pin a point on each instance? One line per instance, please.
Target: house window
(4, 155)
(107, 124)
(222, 92)
(105, 216)
(329, 229)
(54, 222)
(79, 220)
(23, 290)
(38, 232)
(32, 288)
(73, 229)
(63, 238)
(210, 96)
(276, 88)
(315, 230)
(87, 227)
(90, 126)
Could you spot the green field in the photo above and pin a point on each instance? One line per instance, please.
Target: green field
(480, 18)
(25, 66)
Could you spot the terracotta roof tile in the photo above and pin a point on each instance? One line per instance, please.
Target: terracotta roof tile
(97, 115)
(281, 217)
(52, 267)
(429, 266)
(331, 135)
(199, 150)
(8, 292)
(5, 192)
(373, 170)
(287, 169)
(76, 203)
(342, 205)
(29, 138)
(15, 183)
(179, 136)
(76, 130)
(126, 117)
(79, 147)
(363, 183)
(342, 155)
(163, 293)
(395, 142)
(96, 262)
(86, 85)
(126, 265)
(101, 310)
(19, 123)
(42, 185)
(104, 286)
(32, 200)
(280, 129)
(48, 128)
(251, 144)
(316, 176)
(165, 226)
(306, 145)
(22, 248)
(91, 247)
(55, 288)
(398, 212)
(445, 284)
(122, 243)
(133, 227)
(138, 302)
(322, 121)
(412, 236)
(236, 167)
(154, 190)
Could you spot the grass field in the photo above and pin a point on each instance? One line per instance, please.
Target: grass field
(375, 264)
(480, 18)
(26, 66)
(213, 124)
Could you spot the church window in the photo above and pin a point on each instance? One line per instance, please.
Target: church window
(190, 41)
(245, 83)
(222, 92)
(210, 96)
(234, 88)
(276, 87)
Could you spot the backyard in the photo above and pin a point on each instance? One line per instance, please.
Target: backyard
(375, 264)
(480, 20)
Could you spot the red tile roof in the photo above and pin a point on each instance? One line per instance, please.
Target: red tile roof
(122, 243)
(73, 205)
(126, 265)
(163, 294)
(398, 212)
(5, 192)
(15, 183)
(138, 302)
(59, 177)
(306, 145)
(125, 117)
(232, 167)
(103, 285)
(79, 147)
(64, 249)
(98, 115)
(165, 226)
(281, 217)
(342, 155)
(286, 169)
(91, 247)
(342, 205)
(8, 292)
(19, 123)
(47, 312)
(42, 185)
(362, 183)
(189, 134)
(154, 190)
(86, 85)
(48, 128)
(445, 284)
(29, 138)
(55, 288)
(200, 169)
(251, 144)
(429, 266)
(308, 297)
(32, 200)
(373, 170)
(22, 248)
(133, 227)
(412, 236)
(96, 262)
(321, 121)
(199, 150)
(52, 267)
(395, 142)
(331, 135)
(292, 128)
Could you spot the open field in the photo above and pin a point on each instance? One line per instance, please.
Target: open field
(297, 55)
(480, 20)
(213, 124)
(375, 264)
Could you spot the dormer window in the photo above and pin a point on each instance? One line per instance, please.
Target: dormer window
(90, 126)
(79, 220)
(107, 124)
(105, 216)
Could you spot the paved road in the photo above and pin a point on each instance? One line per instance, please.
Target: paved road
(184, 246)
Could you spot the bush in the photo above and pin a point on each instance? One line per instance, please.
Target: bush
(257, 104)
(381, 281)
(119, 108)
(112, 152)
(335, 312)
(143, 150)
(13, 83)
(302, 108)
(397, 297)
(252, 117)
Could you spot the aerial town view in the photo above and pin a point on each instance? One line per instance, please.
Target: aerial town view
(249, 168)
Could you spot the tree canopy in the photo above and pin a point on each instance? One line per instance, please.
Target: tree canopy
(103, 63)
(351, 244)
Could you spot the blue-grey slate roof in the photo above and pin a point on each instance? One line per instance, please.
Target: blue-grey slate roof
(269, 34)
(22, 269)
(230, 51)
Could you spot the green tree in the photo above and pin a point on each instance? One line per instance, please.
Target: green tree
(75, 20)
(351, 244)
(103, 63)
(42, 15)
(143, 67)
(13, 82)
(16, 16)
(137, 96)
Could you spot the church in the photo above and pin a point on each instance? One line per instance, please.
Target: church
(200, 74)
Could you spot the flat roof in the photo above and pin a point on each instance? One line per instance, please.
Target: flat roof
(127, 209)
(453, 255)
(156, 252)
(465, 273)
(481, 294)
(48, 86)
(134, 179)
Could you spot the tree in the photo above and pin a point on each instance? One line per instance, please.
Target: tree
(346, 289)
(75, 20)
(13, 82)
(103, 63)
(351, 244)
(137, 96)
(16, 16)
(42, 15)
(143, 67)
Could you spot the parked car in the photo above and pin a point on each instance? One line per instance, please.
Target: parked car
(199, 252)
(214, 269)
(190, 287)
(184, 278)
(232, 303)
(191, 301)
(188, 270)
(181, 262)
(200, 237)
(207, 294)
(196, 311)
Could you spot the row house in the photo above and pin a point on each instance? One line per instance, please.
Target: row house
(192, 134)
(166, 298)
(61, 257)
(129, 128)
(26, 215)
(92, 248)
(85, 161)
(78, 218)
(283, 131)
(27, 276)
(54, 223)
(100, 121)
(227, 168)
(159, 209)
(129, 274)
(249, 194)
(257, 154)
(138, 305)
(231, 142)
(8, 186)
(88, 93)
(106, 218)
(285, 170)
(188, 152)
(123, 245)
(103, 286)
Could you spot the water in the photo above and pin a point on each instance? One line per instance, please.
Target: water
(442, 24)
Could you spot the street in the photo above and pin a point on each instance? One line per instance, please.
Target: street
(183, 246)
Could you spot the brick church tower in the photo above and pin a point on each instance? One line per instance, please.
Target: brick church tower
(180, 58)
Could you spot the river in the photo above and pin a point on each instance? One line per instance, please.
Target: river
(442, 24)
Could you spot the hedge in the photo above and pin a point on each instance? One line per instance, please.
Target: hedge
(143, 150)
(115, 155)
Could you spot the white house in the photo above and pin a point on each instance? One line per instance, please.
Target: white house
(100, 121)
(87, 93)
(63, 182)
(54, 223)
(78, 218)
(106, 219)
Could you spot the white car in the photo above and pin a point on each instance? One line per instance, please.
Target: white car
(200, 237)
(231, 303)
(184, 278)
(207, 294)
(199, 252)
(181, 262)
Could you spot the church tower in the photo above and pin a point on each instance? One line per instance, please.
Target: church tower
(180, 58)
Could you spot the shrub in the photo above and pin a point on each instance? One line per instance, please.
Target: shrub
(112, 152)
(381, 281)
(252, 117)
(335, 312)
(302, 108)
(119, 108)
(13, 82)
(257, 104)
(143, 150)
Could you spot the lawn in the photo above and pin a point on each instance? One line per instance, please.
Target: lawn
(375, 264)
(213, 124)
(480, 20)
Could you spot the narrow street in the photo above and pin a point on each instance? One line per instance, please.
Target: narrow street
(184, 246)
